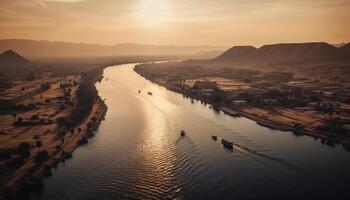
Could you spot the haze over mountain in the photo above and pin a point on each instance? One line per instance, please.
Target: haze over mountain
(34, 48)
(288, 53)
(10, 57)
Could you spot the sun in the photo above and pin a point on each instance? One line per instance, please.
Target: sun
(153, 12)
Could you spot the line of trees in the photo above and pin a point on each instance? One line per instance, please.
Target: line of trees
(86, 95)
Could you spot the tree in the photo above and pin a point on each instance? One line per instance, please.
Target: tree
(219, 96)
(89, 125)
(35, 117)
(47, 101)
(45, 86)
(41, 157)
(318, 106)
(38, 144)
(61, 134)
(23, 149)
(19, 120)
(61, 121)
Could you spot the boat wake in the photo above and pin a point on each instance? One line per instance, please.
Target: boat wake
(286, 163)
(255, 154)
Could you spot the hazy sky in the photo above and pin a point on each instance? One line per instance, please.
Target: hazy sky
(182, 22)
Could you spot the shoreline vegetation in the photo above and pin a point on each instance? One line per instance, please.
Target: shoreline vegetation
(84, 121)
(45, 115)
(172, 80)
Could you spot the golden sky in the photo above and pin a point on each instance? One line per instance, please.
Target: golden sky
(180, 22)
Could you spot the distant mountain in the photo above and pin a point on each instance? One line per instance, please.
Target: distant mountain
(10, 57)
(34, 48)
(346, 49)
(206, 54)
(305, 52)
(238, 53)
(288, 53)
(339, 44)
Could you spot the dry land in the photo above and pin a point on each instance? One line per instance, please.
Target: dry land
(277, 100)
(42, 122)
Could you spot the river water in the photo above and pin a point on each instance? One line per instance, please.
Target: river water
(138, 153)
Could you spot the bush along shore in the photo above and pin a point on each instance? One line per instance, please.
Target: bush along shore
(73, 131)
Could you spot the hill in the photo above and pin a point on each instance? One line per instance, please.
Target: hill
(10, 57)
(238, 54)
(34, 48)
(346, 49)
(289, 53)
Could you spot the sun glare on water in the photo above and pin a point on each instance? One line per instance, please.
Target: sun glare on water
(154, 12)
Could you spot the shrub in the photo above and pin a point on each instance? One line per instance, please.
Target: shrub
(89, 125)
(15, 162)
(36, 137)
(45, 86)
(58, 147)
(61, 134)
(5, 154)
(19, 120)
(41, 157)
(83, 141)
(35, 117)
(47, 101)
(61, 121)
(38, 144)
(62, 107)
(219, 96)
(23, 149)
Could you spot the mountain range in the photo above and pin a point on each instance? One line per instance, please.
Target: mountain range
(287, 53)
(35, 48)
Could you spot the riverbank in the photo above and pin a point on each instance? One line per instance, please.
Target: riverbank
(141, 132)
(263, 121)
(58, 147)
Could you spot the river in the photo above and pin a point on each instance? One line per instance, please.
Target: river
(138, 153)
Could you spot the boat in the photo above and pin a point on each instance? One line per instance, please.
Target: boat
(149, 93)
(227, 143)
(214, 137)
(183, 133)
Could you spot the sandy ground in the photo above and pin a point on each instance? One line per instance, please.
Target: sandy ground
(223, 83)
(11, 136)
(68, 146)
(309, 119)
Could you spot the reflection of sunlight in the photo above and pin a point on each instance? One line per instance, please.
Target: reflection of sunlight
(153, 12)
(159, 114)
(157, 146)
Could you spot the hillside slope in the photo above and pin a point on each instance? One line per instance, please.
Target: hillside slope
(10, 57)
(289, 53)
